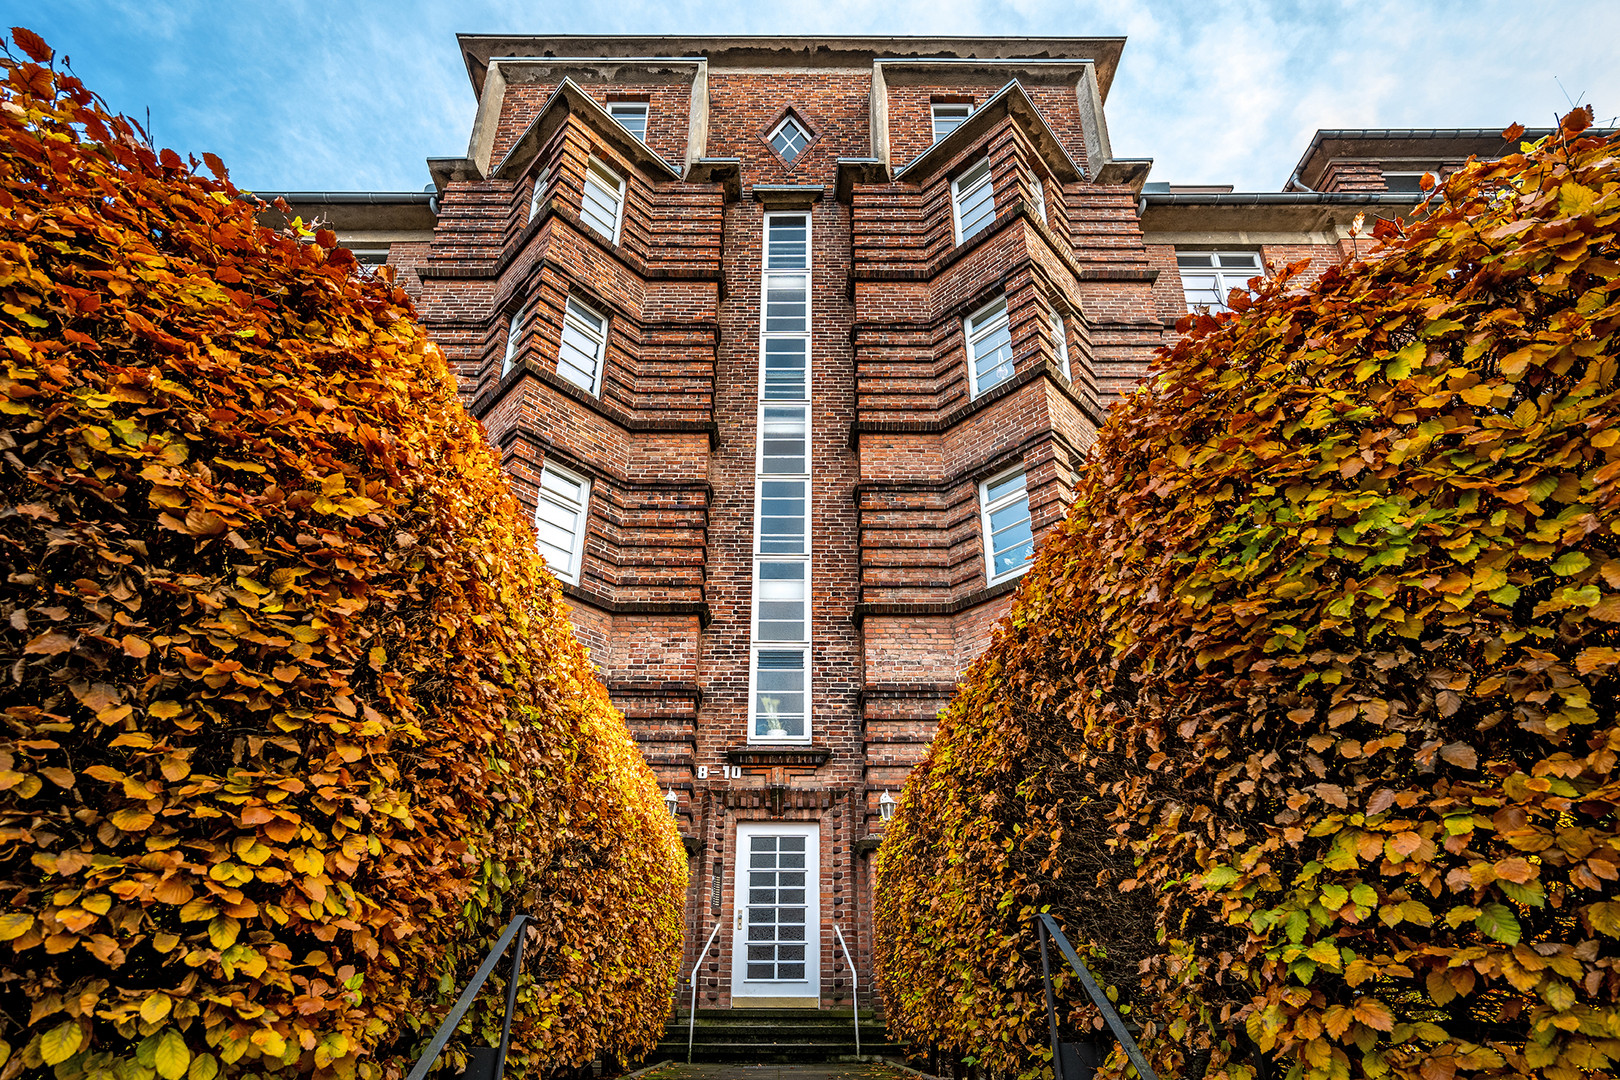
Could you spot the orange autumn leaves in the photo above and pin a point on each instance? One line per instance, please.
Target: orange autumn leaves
(294, 719)
(1304, 725)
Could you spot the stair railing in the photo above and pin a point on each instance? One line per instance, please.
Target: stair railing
(691, 1013)
(1049, 926)
(484, 1064)
(854, 988)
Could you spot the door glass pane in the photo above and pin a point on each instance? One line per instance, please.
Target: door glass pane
(777, 948)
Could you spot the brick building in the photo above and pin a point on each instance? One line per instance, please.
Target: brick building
(794, 347)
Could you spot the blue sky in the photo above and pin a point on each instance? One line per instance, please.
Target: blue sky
(354, 96)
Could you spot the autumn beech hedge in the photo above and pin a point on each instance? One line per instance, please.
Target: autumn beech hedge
(1304, 724)
(294, 720)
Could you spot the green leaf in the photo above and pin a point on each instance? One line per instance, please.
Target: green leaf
(1499, 922)
(1571, 562)
(1401, 364)
(61, 1042)
(173, 1057)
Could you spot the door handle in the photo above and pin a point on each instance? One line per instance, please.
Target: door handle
(739, 919)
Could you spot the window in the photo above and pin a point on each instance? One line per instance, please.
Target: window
(779, 696)
(369, 256)
(1060, 335)
(973, 201)
(789, 139)
(514, 331)
(1037, 196)
(559, 521)
(584, 342)
(989, 345)
(539, 194)
(603, 207)
(947, 118)
(1404, 181)
(631, 114)
(1008, 541)
(1207, 276)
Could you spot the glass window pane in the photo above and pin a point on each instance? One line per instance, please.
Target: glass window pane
(975, 200)
(783, 441)
(1240, 260)
(786, 304)
(790, 933)
(761, 933)
(1005, 486)
(762, 952)
(761, 971)
(792, 843)
(1195, 260)
(633, 115)
(789, 971)
(790, 139)
(784, 370)
(790, 952)
(796, 861)
(762, 916)
(787, 242)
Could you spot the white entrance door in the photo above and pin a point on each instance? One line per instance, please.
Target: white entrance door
(776, 949)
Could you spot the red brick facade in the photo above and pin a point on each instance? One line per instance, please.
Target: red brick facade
(899, 442)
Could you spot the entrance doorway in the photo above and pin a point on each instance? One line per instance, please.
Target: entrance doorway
(776, 947)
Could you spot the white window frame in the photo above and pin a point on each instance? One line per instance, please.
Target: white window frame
(1060, 331)
(615, 108)
(569, 573)
(986, 508)
(1224, 287)
(761, 477)
(598, 173)
(539, 190)
(514, 333)
(809, 137)
(1037, 187)
(948, 107)
(958, 195)
(969, 340)
(601, 341)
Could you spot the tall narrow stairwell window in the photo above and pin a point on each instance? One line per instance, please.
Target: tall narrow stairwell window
(1008, 541)
(973, 201)
(779, 697)
(559, 521)
(603, 206)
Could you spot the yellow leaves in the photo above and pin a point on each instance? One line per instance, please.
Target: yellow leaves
(222, 931)
(1596, 659)
(156, 1007)
(131, 819)
(61, 1042)
(172, 1057)
(15, 924)
(1374, 1013)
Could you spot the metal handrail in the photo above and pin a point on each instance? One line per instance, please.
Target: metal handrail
(464, 1002)
(854, 988)
(691, 1013)
(1116, 1024)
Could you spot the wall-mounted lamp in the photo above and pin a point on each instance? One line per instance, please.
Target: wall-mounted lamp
(886, 806)
(673, 801)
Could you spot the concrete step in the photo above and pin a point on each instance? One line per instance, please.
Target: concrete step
(773, 1053)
